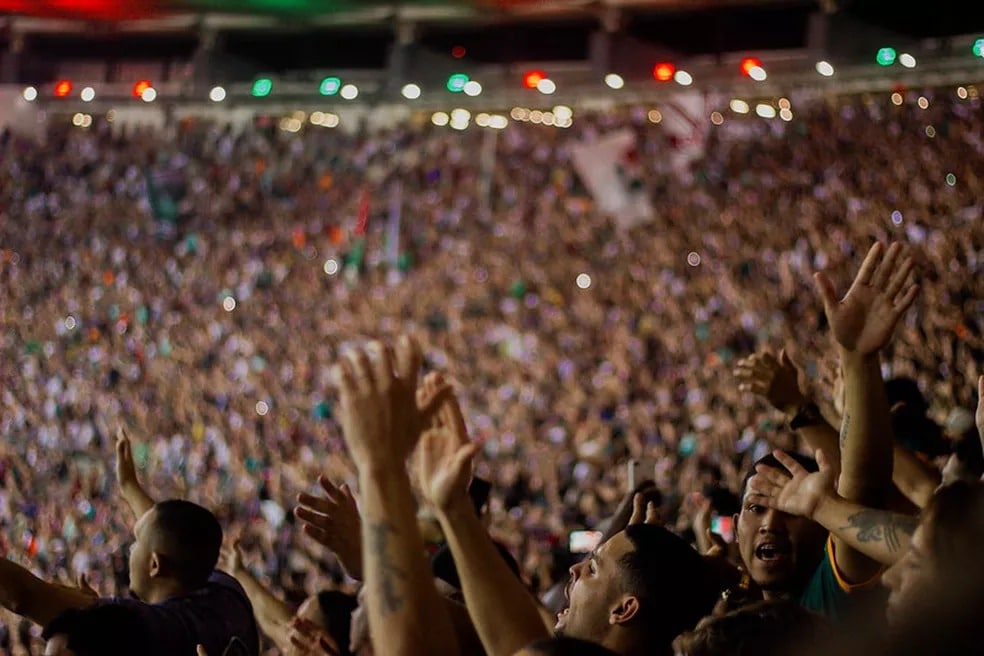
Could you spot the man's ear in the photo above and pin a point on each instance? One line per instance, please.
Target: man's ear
(734, 524)
(627, 608)
(155, 565)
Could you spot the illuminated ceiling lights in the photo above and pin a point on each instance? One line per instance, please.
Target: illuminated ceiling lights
(330, 86)
(457, 82)
(30, 94)
(472, 88)
(683, 78)
(739, 106)
(886, 56)
(440, 119)
(765, 111)
(63, 88)
(262, 87)
(978, 48)
(532, 79)
(614, 81)
(825, 68)
(546, 86)
(148, 95)
(88, 94)
(664, 71)
(907, 60)
(411, 91)
(349, 92)
(217, 94)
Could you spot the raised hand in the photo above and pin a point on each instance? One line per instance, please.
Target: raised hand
(381, 421)
(231, 558)
(775, 380)
(444, 466)
(864, 319)
(800, 493)
(333, 521)
(643, 515)
(126, 471)
(309, 639)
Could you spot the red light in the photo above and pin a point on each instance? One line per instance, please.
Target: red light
(458, 52)
(63, 88)
(748, 63)
(533, 78)
(140, 87)
(664, 72)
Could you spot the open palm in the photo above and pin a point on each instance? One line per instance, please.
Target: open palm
(799, 492)
(445, 466)
(863, 321)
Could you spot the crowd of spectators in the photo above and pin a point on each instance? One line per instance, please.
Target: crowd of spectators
(209, 334)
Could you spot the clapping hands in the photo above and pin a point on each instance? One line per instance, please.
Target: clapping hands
(333, 521)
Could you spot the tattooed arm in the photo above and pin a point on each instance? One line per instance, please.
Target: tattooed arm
(880, 535)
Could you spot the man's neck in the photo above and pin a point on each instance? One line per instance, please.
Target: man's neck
(165, 590)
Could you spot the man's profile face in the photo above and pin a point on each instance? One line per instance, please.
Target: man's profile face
(779, 551)
(908, 579)
(593, 590)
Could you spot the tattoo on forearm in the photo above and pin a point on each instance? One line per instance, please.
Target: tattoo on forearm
(845, 425)
(882, 526)
(379, 547)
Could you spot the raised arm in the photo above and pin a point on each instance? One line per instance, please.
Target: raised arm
(333, 521)
(272, 614)
(39, 601)
(126, 477)
(862, 323)
(777, 380)
(381, 424)
(880, 535)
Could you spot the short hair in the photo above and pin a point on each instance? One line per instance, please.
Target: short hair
(674, 584)
(189, 537)
(443, 566)
(806, 462)
(765, 628)
(101, 630)
(967, 448)
(955, 522)
(336, 616)
(567, 646)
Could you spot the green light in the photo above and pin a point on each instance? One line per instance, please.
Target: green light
(262, 87)
(457, 82)
(330, 86)
(979, 47)
(886, 56)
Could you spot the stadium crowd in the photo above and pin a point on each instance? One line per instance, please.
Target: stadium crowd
(179, 308)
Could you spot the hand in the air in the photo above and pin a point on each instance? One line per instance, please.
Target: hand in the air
(231, 558)
(444, 467)
(775, 380)
(309, 639)
(798, 493)
(126, 471)
(863, 321)
(333, 521)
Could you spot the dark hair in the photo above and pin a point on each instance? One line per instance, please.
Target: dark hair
(675, 586)
(102, 630)
(808, 463)
(765, 628)
(955, 522)
(336, 616)
(967, 448)
(443, 566)
(565, 646)
(189, 537)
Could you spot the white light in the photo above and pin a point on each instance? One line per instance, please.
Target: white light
(331, 267)
(349, 92)
(228, 304)
(77, 119)
(440, 119)
(86, 120)
(262, 408)
(583, 281)
(693, 258)
(536, 116)
(482, 120)
(330, 121)
(896, 98)
(962, 93)
(87, 94)
(460, 115)
(498, 122)
(907, 60)
(546, 86)
(520, 114)
(923, 102)
(825, 69)
(317, 118)
(548, 118)
(459, 125)
(411, 91)
(757, 73)
(739, 106)
(70, 323)
(30, 94)
(614, 81)
(563, 112)
(683, 78)
(217, 94)
(655, 116)
(717, 118)
(786, 114)
(149, 95)
(897, 217)
(472, 88)
(765, 111)
(563, 123)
